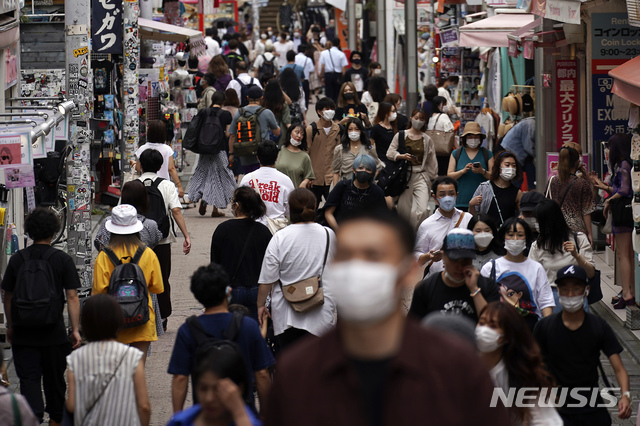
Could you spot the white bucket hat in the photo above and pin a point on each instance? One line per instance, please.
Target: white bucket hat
(124, 220)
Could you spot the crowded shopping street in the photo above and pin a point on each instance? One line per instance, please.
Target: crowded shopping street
(320, 212)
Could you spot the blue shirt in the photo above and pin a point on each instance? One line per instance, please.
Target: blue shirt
(521, 140)
(297, 69)
(254, 348)
(188, 417)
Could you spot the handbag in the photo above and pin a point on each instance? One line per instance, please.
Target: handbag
(274, 225)
(307, 294)
(595, 283)
(394, 178)
(442, 141)
(607, 228)
(622, 212)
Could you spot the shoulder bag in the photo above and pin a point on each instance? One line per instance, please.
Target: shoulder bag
(442, 141)
(274, 225)
(394, 178)
(307, 294)
(428, 268)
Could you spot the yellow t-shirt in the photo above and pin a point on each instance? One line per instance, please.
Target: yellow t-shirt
(151, 269)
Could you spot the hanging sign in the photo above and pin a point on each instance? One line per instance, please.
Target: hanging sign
(15, 148)
(20, 176)
(567, 113)
(106, 26)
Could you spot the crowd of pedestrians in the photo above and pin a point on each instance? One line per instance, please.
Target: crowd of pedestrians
(303, 318)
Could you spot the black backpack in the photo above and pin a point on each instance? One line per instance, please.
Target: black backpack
(36, 300)
(157, 209)
(210, 134)
(394, 178)
(129, 287)
(232, 58)
(295, 112)
(244, 91)
(267, 67)
(206, 343)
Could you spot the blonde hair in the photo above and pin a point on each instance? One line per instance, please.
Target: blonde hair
(342, 103)
(567, 160)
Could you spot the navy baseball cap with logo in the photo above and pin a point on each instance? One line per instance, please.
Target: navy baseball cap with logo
(572, 271)
(459, 244)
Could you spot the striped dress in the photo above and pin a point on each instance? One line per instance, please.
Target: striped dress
(212, 180)
(92, 366)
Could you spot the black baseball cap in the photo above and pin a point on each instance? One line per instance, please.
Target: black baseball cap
(572, 271)
(530, 200)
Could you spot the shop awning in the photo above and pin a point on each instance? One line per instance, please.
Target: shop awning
(626, 80)
(493, 31)
(154, 30)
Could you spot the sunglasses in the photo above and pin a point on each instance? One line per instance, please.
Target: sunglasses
(6, 157)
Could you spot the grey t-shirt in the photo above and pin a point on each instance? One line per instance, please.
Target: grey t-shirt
(266, 119)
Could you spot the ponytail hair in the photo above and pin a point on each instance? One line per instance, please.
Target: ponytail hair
(302, 205)
(570, 154)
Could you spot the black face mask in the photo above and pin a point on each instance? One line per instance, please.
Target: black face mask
(363, 176)
(356, 61)
(349, 96)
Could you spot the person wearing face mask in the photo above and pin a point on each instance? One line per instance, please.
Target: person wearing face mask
(444, 90)
(396, 100)
(522, 281)
(528, 204)
(435, 228)
(357, 193)
(355, 142)
(470, 164)
(293, 159)
(296, 253)
(440, 121)
(281, 47)
(499, 197)
(508, 349)
(349, 106)
(558, 246)
(459, 289)
(333, 64)
(571, 342)
(356, 73)
(322, 137)
(377, 90)
(485, 234)
(378, 366)
(210, 286)
(420, 152)
(573, 193)
(385, 126)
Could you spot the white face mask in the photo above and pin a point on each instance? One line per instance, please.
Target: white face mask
(473, 143)
(483, 239)
(328, 114)
(377, 72)
(572, 303)
(487, 339)
(507, 173)
(295, 142)
(450, 278)
(263, 36)
(354, 136)
(417, 124)
(533, 223)
(515, 247)
(393, 116)
(364, 291)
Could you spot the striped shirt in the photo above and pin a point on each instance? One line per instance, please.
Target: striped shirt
(92, 365)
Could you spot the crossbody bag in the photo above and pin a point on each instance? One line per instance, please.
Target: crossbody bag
(274, 225)
(428, 268)
(307, 294)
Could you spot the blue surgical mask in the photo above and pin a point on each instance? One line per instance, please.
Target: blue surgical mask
(228, 291)
(447, 203)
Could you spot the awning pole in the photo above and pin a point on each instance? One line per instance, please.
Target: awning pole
(411, 46)
(541, 149)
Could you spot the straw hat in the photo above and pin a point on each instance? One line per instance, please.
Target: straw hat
(509, 104)
(124, 220)
(473, 128)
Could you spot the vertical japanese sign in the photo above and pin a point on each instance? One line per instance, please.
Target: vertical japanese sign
(106, 26)
(613, 43)
(567, 113)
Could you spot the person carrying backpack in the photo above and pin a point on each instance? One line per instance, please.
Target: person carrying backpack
(265, 63)
(129, 271)
(216, 327)
(35, 284)
(233, 57)
(250, 126)
(470, 165)
(163, 201)
(243, 83)
(213, 182)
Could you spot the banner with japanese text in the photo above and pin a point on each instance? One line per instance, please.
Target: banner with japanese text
(106, 26)
(567, 107)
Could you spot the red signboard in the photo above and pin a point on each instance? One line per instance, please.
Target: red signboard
(567, 111)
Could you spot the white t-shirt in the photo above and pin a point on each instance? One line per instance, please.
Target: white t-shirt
(432, 232)
(171, 201)
(282, 49)
(296, 253)
(275, 188)
(527, 278)
(213, 48)
(440, 122)
(306, 63)
(167, 155)
(553, 263)
(333, 60)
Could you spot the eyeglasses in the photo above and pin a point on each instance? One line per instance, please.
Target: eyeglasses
(6, 157)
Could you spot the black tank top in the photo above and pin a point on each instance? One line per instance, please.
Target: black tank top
(506, 199)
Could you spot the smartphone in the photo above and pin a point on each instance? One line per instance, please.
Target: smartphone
(476, 165)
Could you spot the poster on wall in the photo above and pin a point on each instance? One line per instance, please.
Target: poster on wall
(15, 148)
(553, 159)
(613, 42)
(11, 58)
(20, 176)
(567, 106)
(106, 26)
